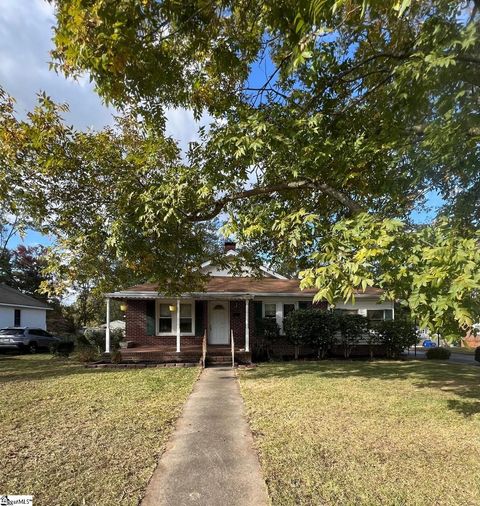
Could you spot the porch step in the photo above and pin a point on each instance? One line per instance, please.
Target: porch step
(219, 359)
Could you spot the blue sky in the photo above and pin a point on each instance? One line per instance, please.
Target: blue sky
(25, 42)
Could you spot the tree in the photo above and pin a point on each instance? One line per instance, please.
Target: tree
(352, 329)
(362, 114)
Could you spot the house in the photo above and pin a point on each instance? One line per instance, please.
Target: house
(20, 310)
(163, 328)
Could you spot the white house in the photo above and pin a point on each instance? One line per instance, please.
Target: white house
(20, 310)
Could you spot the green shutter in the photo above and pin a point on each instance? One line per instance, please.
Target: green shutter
(150, 312)
(200, 307)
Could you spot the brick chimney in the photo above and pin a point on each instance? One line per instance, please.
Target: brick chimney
(229, 246)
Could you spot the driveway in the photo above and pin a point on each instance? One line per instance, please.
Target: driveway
(455, 358)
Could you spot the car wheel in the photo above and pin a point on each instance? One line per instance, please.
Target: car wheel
(33, 348)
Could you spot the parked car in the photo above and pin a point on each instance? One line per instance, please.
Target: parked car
(25, 339)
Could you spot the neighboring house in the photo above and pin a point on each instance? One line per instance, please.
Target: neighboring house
(114, 325)
(20, 310)
(156, 324)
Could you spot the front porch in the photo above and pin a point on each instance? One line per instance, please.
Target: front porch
(166, 330)
(190, 353)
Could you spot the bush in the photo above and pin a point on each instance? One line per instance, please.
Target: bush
(269, 332)
(324, 326)
(62, 348)
(96, 337)
(313, 327)
(477, 354)
(396, 336)
(438, 353)
(116, 357)
(299, 327)
(87, 354)
(352, 328)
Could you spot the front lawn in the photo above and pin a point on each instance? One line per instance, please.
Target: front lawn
(370, 433)
(73, 436)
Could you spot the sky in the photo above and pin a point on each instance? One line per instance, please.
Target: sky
(25, 43)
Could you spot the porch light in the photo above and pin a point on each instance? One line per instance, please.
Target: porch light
(123, 307)
(172, 308)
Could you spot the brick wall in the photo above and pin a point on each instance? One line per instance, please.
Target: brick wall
(136, 328)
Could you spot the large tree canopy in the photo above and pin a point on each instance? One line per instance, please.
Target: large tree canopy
(331, 121)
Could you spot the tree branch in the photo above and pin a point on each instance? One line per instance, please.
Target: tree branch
(217, 206)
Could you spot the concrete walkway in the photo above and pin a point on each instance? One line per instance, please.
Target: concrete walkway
(210, 459)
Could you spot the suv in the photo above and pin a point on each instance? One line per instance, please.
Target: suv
(25, 339)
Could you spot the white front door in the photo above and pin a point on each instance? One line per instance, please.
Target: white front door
(219, 322)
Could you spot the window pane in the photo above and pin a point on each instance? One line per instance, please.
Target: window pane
(287, 309)
(165, 324)
(345, 311)
(165, 311)
(17, 318)
(270, 310)
(185, 324)
(304, 304)
(375, 314)
(185, 310)
(388, 314)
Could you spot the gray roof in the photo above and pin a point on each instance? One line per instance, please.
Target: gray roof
(11, 297)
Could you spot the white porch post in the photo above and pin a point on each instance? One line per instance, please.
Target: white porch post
(107, 329)
(247, 325)
(178, 325)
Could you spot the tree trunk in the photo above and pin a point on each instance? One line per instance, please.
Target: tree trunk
(297, 349)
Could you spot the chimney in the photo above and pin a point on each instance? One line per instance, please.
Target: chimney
(229, 246)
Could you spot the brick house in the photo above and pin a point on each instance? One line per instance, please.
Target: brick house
(163, 328)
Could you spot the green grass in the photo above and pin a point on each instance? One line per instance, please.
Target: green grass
(367, 433)
(72, 436)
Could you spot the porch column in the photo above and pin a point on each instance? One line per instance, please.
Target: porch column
(247, 325)
(178, 325)
(107, 329)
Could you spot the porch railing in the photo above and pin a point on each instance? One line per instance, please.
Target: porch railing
(204, 348)
(232, 342)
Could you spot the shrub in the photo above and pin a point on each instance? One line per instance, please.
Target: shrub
(96, 337)
(352, 327)
(87, 354)
(477, 353)
(396, 335)
(62, 348)
(311, 326)
(438, 353)
(323, 329)
(269, 331)
(116, 357)
(298, 328)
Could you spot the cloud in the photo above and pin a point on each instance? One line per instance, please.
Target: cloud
(25, 44)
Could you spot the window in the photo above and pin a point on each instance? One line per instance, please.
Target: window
(341, 312)
(186, 318)
(164, 319)
(36, 332)
(287, 309)
(270, 310)
(17, 318)
(167, 320)
(376, 315)
(305, 304)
